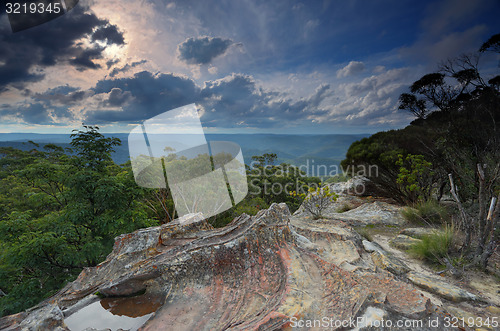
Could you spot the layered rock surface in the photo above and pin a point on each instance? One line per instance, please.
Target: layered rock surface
(265, 272)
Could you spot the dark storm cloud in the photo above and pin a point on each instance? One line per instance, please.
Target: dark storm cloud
(110, 63)
(234, 101)
(117, 97)
(51, 43)
(64, 95)
(34, 114)
(149, 95)
(108, 34)
(125, 68)
(202, 50)
(84, 59)
(44, 107)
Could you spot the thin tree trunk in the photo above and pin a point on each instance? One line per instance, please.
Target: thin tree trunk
(481, 218)
(493, 220)
(465, 219)
(441, 191)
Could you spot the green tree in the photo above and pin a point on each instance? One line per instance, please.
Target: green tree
(94, 150)
(60, 213)
(455, 138)
(415, 177)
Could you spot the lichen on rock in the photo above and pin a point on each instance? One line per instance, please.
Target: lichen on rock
(257, 273)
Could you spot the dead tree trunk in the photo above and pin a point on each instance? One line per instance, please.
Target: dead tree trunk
(481, 217)
(492, 223)
(465, 222)
(486, 242)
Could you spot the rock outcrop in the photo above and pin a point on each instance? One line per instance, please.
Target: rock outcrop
(357, 185)
(442, 288)
(267, 272)
(376, 212)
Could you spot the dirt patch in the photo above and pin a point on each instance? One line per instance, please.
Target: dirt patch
(487, 285)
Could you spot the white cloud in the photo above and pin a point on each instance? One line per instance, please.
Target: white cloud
(212, 70)
(202, 50)
(312, 24)
(354, 67)
(371, 101)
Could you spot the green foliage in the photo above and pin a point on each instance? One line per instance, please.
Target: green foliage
(428, 83)
(250, 206)
(317, 200)
(435, 247)
(415, 177)
(273, 183)
(426, 212)
(93, 149)
(269, 183)
(60, 213)
(337, 179)
(380, 152)
(456, 128)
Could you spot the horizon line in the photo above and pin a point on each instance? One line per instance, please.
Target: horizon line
(211, 133)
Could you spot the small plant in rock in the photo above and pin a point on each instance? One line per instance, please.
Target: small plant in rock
(435, 247)
(428, 212)
(317, 200)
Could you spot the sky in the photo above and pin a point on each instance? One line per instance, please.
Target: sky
(278, 66)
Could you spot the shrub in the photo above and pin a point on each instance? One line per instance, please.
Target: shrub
(428, 212)
(411, 215)
(317, 200)
(415, 177)
(435, 247)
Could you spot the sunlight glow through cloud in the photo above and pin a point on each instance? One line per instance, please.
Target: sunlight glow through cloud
(266, 70)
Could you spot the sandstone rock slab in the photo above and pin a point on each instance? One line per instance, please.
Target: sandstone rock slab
(441, 288)
(377, 212)
(370, 247)
(404, 242)
(357, 185)
(257, 273)
(388, 262)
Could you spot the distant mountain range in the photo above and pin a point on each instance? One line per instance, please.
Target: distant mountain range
(319, 154)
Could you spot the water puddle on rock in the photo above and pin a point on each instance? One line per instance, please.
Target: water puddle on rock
(115, 313)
